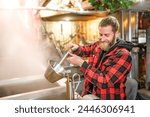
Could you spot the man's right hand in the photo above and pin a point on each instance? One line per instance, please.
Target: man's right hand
(73, 47)
(74, 59)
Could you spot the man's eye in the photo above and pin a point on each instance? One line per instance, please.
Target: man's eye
(106, 35)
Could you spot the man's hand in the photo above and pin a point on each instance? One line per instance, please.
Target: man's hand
(74, 59)
(73, 47)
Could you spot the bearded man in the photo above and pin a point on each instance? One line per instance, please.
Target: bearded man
(109, 62)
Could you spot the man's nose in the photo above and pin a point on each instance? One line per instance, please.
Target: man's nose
(102, 38)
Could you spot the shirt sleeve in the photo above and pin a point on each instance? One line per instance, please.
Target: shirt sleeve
(85, 51)
(111, 72)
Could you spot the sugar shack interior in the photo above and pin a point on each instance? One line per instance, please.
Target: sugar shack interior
(34, 36)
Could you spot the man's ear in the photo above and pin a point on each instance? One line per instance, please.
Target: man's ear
(117, 34)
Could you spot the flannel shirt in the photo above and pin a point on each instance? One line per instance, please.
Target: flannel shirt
(107, 81)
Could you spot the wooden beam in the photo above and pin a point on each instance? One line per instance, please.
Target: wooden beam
(44, 2)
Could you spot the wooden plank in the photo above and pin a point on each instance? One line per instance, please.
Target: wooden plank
(44, 2)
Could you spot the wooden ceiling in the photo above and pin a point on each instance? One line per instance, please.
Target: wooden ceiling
(73, 17)
(62, 16)
(44, 2)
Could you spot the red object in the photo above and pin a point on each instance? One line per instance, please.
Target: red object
(107, 80)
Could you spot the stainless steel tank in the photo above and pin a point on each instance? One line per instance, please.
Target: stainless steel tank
(31, 87)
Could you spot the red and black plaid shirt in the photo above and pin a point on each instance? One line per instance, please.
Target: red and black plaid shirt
(107, 80)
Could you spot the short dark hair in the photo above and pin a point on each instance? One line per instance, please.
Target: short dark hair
(110, 20)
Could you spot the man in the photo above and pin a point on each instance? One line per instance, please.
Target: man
(109, 62)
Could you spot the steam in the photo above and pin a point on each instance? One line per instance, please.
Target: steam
(20, 52)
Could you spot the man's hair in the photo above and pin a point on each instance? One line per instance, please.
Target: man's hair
(110, 21)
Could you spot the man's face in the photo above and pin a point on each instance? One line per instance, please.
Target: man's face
(107, 37)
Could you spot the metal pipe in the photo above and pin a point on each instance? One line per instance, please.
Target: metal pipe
(64, 57)
(129, 26)
(147, 58)
(129, 32)
(122, 25)
(58, 68)
(76, 82)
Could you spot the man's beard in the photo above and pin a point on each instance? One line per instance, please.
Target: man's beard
(107, 45)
